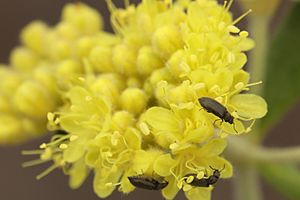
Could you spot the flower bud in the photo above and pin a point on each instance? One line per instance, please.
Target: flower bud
(33, 36)
(148, 61)
(33, 100)
(176, 64)
(107, 87)
(69, 68)
(23, 59)
(66, 31)
(166, 40)
(133, 100)
(60, 49)
(85, 19)
(83, 46)
(123, 119)
(10, 81)
(124, 59)
(101, 59)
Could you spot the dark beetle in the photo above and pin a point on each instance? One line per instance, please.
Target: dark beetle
(148, 183)
(206, 182)
(212, 106)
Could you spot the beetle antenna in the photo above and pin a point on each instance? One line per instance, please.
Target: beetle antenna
(234, 128)
(222, 168)
(212, 168)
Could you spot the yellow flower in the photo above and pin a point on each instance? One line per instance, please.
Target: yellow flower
(128, 103)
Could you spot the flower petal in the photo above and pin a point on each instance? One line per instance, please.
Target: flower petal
(163, 164)
(213, 148)
(102, 177)
(249, 105)
(133, 138)
(78, 174)
(171, 190)
(199, 194)
(162, 119)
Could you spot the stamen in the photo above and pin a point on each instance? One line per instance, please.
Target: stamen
(190, 179)
(32, 152)
(43, 146)
(144, 128)
(46, 172)
(34, 162)
(63, 146)
(241, 17)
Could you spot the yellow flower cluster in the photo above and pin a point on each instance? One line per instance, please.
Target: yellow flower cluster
(127, 105)
(48, 60)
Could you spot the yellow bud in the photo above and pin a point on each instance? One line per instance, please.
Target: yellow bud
(83, 46)
(33, 36)
(159, 75)
(123, 119)
(133, 82)
(107, 87)
(10, 81)
(124, 59)
(134, 100)
(116, 79)
(68, 68)
(23, 59)
(45, 76)
(147, 61)
(166, 40)
(101, 59)
(181, 94)
(85, 19)
(33, 100)
(60, 49)
(66, 31)
(175, 64)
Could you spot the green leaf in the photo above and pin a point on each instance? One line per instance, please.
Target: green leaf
(282, 83)
(284, 178)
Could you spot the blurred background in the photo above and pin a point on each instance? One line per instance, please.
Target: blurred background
(18, 183)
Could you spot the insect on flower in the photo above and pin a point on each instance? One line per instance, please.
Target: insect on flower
(205, 182)
(214, 107)
(148, 183)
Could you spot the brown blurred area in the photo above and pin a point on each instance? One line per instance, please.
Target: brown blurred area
(17, 183)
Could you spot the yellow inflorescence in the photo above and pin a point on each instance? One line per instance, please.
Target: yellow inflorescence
(126, 104)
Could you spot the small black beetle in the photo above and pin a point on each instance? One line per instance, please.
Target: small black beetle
(206, 182)
(148, 183)
(212, 106)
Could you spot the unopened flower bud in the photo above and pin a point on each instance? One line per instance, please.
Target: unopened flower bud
(133, 100)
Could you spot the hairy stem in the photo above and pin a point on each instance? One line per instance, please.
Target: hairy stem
(246, 183)
(243, 151)
(259, 28)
